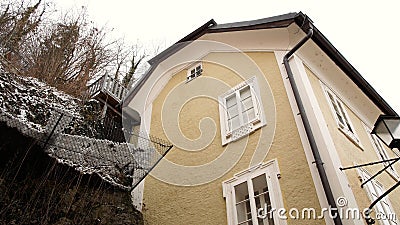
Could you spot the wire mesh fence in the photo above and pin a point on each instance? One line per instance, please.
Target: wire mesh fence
(119, 163)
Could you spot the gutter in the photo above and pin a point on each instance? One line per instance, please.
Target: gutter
(317, 157)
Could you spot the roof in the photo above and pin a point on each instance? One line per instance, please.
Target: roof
(302, 20)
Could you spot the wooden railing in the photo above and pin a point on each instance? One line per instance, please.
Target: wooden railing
(110, 86)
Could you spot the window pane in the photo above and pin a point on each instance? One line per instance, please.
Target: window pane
(231, 100)
(198, 70)
(347, 123)
(249, 115)
(247, 105)
(242, 204)
(245, 92)
(262, 199)
(335, 107)
(233, 123)
(383, 154)
(232, 112)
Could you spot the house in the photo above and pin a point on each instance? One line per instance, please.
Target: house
(109, 92)
(266, 117)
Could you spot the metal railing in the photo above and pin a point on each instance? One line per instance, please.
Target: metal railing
(124, 165)
(110, 86)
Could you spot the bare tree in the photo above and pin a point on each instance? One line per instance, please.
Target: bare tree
(17, 22)
(65, 52)
(136, 60)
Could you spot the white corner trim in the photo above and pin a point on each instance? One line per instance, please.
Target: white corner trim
(302, 133)
(337, 179)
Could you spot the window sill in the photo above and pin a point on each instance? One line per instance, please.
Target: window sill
(354, 140)
(187, 81)
(229, 138)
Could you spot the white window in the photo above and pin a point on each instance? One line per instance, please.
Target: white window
(241, 111)
(382, 153)
(194, 72)
(383, 209)
(252, 196)
(341, 116)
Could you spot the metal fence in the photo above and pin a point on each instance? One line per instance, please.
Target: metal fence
(121, 164)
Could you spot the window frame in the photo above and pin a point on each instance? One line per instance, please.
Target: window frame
(229, 134)
(382, 154)
(339, 111)
(272, 174)
(375, 189)
(197, 72)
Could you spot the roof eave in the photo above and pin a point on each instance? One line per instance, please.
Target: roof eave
(182, 42)
(303, 21)
(276, 22)
(346, 67)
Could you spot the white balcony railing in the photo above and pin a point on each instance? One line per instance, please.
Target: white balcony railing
(110, 86)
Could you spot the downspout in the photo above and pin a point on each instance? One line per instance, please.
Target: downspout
(317, 157)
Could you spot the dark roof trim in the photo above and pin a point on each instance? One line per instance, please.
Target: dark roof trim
(165, 54)
(266, 23)
(176, 47)
(211, 27)
(285, 20)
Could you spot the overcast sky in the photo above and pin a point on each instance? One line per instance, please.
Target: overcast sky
(365, 32)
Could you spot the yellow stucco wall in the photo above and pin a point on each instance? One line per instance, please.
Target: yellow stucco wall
(350, 153)
(167, 203)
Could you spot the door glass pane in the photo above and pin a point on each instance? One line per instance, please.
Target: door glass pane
(262, 199)
(242, 204)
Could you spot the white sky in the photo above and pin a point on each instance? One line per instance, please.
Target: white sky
(365, 32)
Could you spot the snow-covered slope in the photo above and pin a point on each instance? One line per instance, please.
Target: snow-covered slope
(33, 101)
(34, 108)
